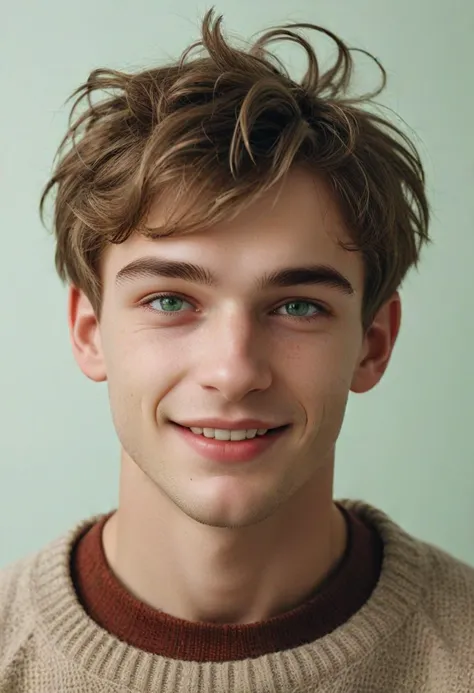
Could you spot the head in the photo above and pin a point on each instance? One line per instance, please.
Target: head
(298, 213)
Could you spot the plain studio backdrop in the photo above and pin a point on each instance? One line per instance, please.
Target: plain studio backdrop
(408, 445)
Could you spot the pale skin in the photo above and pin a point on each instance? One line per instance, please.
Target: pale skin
(203, 540)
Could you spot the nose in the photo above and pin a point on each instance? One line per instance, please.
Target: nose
(234, 358)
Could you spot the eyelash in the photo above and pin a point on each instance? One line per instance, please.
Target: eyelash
(323, 311)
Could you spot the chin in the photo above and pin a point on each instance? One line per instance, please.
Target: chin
(231, 509)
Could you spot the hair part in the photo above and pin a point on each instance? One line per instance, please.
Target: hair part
(220, 129)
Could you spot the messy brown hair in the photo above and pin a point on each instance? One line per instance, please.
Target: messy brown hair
(219, 129)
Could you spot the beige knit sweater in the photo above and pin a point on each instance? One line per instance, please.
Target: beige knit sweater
(415, 634)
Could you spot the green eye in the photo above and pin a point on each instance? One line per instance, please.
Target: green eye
(299, 309)
(302, 309)
(168, 303)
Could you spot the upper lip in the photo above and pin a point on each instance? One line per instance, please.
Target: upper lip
(241, 424)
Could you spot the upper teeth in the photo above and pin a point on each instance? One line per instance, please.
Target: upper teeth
(226, 434)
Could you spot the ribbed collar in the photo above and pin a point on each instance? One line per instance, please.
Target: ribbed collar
(69, 631)
(344, 590)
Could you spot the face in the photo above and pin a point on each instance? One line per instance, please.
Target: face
(233, 346)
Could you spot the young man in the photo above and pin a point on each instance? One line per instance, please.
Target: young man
(234, 243)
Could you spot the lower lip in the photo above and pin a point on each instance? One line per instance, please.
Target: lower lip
(229, 450)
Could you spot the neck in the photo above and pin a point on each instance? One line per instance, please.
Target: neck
(202, 573)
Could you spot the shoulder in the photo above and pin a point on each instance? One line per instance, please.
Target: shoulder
(16, 613)
(433, 590)
(29, 588)
(450, 576)
(448, 600)
(14, 587)
(21, 582)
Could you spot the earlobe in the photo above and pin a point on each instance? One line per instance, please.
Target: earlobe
(378, 345)
(85, 335)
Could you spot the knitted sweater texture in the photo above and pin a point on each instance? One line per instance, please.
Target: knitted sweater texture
(415, 633)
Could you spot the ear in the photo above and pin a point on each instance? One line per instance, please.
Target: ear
(377, 346)
(85, 335)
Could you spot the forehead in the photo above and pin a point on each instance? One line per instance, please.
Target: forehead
(296, 223)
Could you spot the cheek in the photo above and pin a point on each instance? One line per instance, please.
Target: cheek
(141, 368)
(321, 364)
(319, 375)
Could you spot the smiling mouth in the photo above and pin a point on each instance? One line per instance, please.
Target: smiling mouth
(269, 432)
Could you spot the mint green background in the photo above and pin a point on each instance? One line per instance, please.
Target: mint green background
(407, 446)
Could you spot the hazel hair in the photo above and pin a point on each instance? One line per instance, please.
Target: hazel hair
(214, 131)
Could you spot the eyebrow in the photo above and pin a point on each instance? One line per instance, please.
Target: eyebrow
(146, 267)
